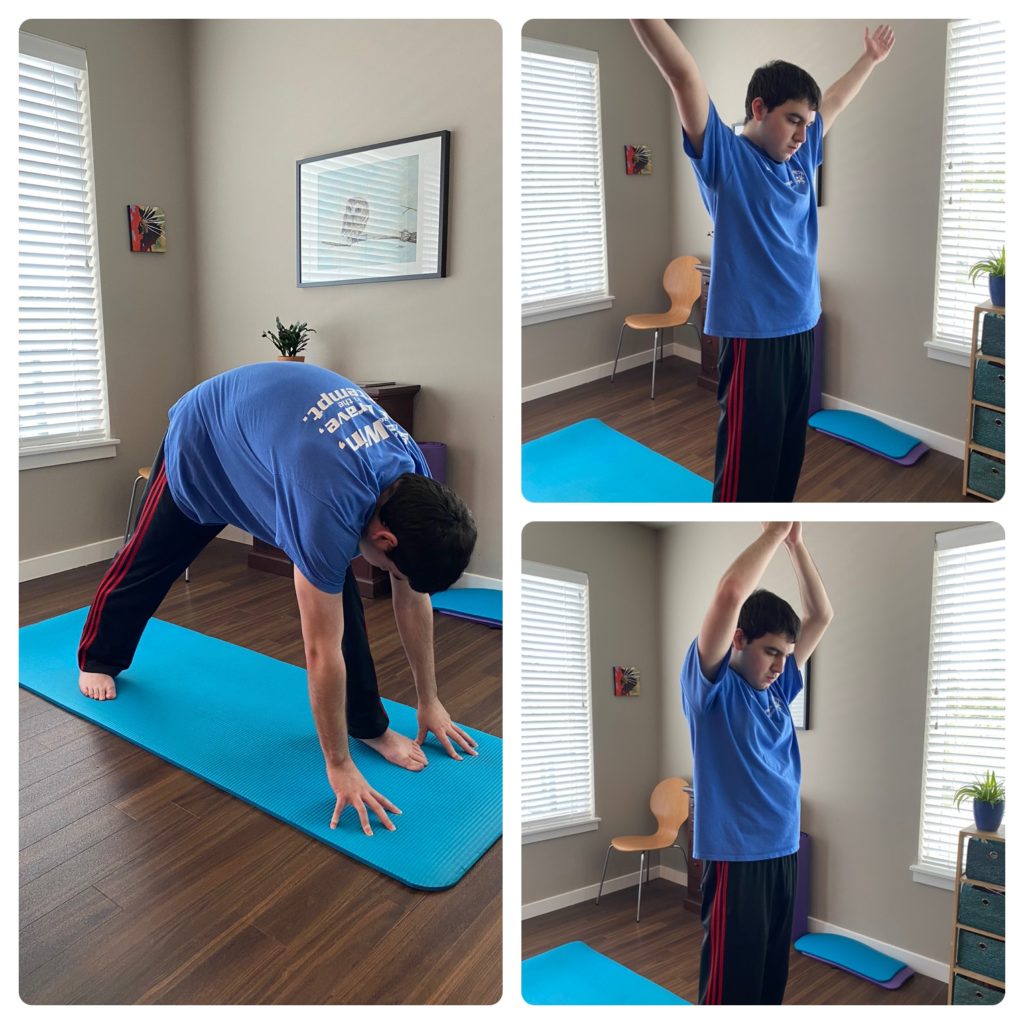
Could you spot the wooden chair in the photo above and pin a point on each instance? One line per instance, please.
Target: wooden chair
(143, 474)
(682, 282)
(670, 805)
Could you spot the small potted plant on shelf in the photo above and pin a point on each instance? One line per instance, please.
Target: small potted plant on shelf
(290, 340)
(995, 267)
(989, 796)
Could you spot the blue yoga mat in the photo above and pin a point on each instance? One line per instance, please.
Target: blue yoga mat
(475, 603)
(241, 721)
(864, 431)
(589, 461)
(850, 954)
(576, 975)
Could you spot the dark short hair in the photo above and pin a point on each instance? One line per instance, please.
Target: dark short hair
(434, 530)
(765, 612)
(778, 82)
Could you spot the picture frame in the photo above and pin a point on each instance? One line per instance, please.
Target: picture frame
(737, 129)
(375, 213)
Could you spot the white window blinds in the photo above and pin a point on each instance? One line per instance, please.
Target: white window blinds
(972, 217)
(61, 376)
(557, 741)
(564, 255)
(966, 719)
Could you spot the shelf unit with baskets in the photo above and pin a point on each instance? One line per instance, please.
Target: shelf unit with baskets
(985, 447)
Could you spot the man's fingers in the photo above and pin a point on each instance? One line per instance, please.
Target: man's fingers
(385, 801)
(339, 806)
(421, 734)
(382, 815)
(364, 818)
(447, 744)
(465, 741)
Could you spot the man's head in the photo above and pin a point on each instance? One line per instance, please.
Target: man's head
(420, 531)
(782, 101)
(765, 636)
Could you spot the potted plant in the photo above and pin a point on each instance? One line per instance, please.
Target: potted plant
(290, 340)
(989, 798)
(995, 267)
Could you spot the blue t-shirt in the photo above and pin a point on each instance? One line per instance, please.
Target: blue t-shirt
(292, 453)
(746, 762)
(764, 255)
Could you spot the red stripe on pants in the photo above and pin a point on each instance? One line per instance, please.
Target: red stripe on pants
(121, 564)
(734, 412)
(714, 990)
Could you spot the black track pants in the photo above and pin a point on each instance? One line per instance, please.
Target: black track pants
(747, 913)
(163, 543)
(764, 389)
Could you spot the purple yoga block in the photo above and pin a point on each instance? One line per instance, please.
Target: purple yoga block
(436, 455)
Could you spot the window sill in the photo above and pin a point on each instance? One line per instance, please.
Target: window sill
(593, 305)
(555, 831)
(947, 353)
(941, 878)
(69, 451)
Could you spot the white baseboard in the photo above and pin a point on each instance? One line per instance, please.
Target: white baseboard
(572, 380)
(940, 442)
(70, 558)
(589, 892)
(937, 969)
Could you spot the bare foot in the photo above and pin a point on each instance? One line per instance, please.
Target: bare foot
(399, 749)
(97, 685)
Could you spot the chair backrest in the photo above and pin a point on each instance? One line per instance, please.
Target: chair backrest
(682, 282)
(669, 804)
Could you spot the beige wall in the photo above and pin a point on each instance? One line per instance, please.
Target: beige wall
(634, 109)
(211, 128)
(862, 755)
(879, 222)
(621, 561)
(268, 93)
(138, 75)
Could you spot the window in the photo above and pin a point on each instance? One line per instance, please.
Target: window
(564, 254)
(62, 392)
(557, 738)
(966, 719)
(972, 213)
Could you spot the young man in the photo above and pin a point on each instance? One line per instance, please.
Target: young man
(764, 298)
(738, 680)
(301, 458)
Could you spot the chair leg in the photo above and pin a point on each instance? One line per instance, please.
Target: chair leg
(131, 506)
(640, 887)
(618, 349)
(654, 360)
(603, 873)
(188, 579)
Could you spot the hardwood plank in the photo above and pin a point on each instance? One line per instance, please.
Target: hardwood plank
(681, 423)
(66, 925)
(36, 767)
(665, 947)
(66, 843)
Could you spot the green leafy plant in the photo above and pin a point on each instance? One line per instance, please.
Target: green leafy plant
(987, 790)
(994, 266)
(290, 340)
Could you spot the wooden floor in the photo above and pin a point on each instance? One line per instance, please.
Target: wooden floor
(665, 947)
(142, 884)
(681, 423)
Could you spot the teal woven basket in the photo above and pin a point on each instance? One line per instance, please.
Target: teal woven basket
(982, 908)
(986, 858)
(993, 335)
(967, 991)
(982, 955)
(990, 383)
(989, 428)
(986, 476)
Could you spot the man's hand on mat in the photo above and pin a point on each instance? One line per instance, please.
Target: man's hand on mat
(351, 788)
(97, 685)
(433, 718)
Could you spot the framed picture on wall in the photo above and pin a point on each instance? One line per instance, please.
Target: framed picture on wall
(376, 213)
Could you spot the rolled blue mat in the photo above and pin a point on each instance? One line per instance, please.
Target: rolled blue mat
(589, 461)
(850, 954)
(576, 975)
(241, 721)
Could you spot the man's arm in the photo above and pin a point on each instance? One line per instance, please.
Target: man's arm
(817, 610)
(680, 70)
(323, 625)
(839, 94)
(415, 619)
(738, 583)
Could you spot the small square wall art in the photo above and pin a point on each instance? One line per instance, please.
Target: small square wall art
(146, 229)
(638, 160)
(626, 681)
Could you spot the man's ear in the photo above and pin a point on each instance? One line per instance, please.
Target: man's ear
(381, 537)
(739, 641)
(758, 108)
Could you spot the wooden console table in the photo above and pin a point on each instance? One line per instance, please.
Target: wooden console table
(397, 401)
